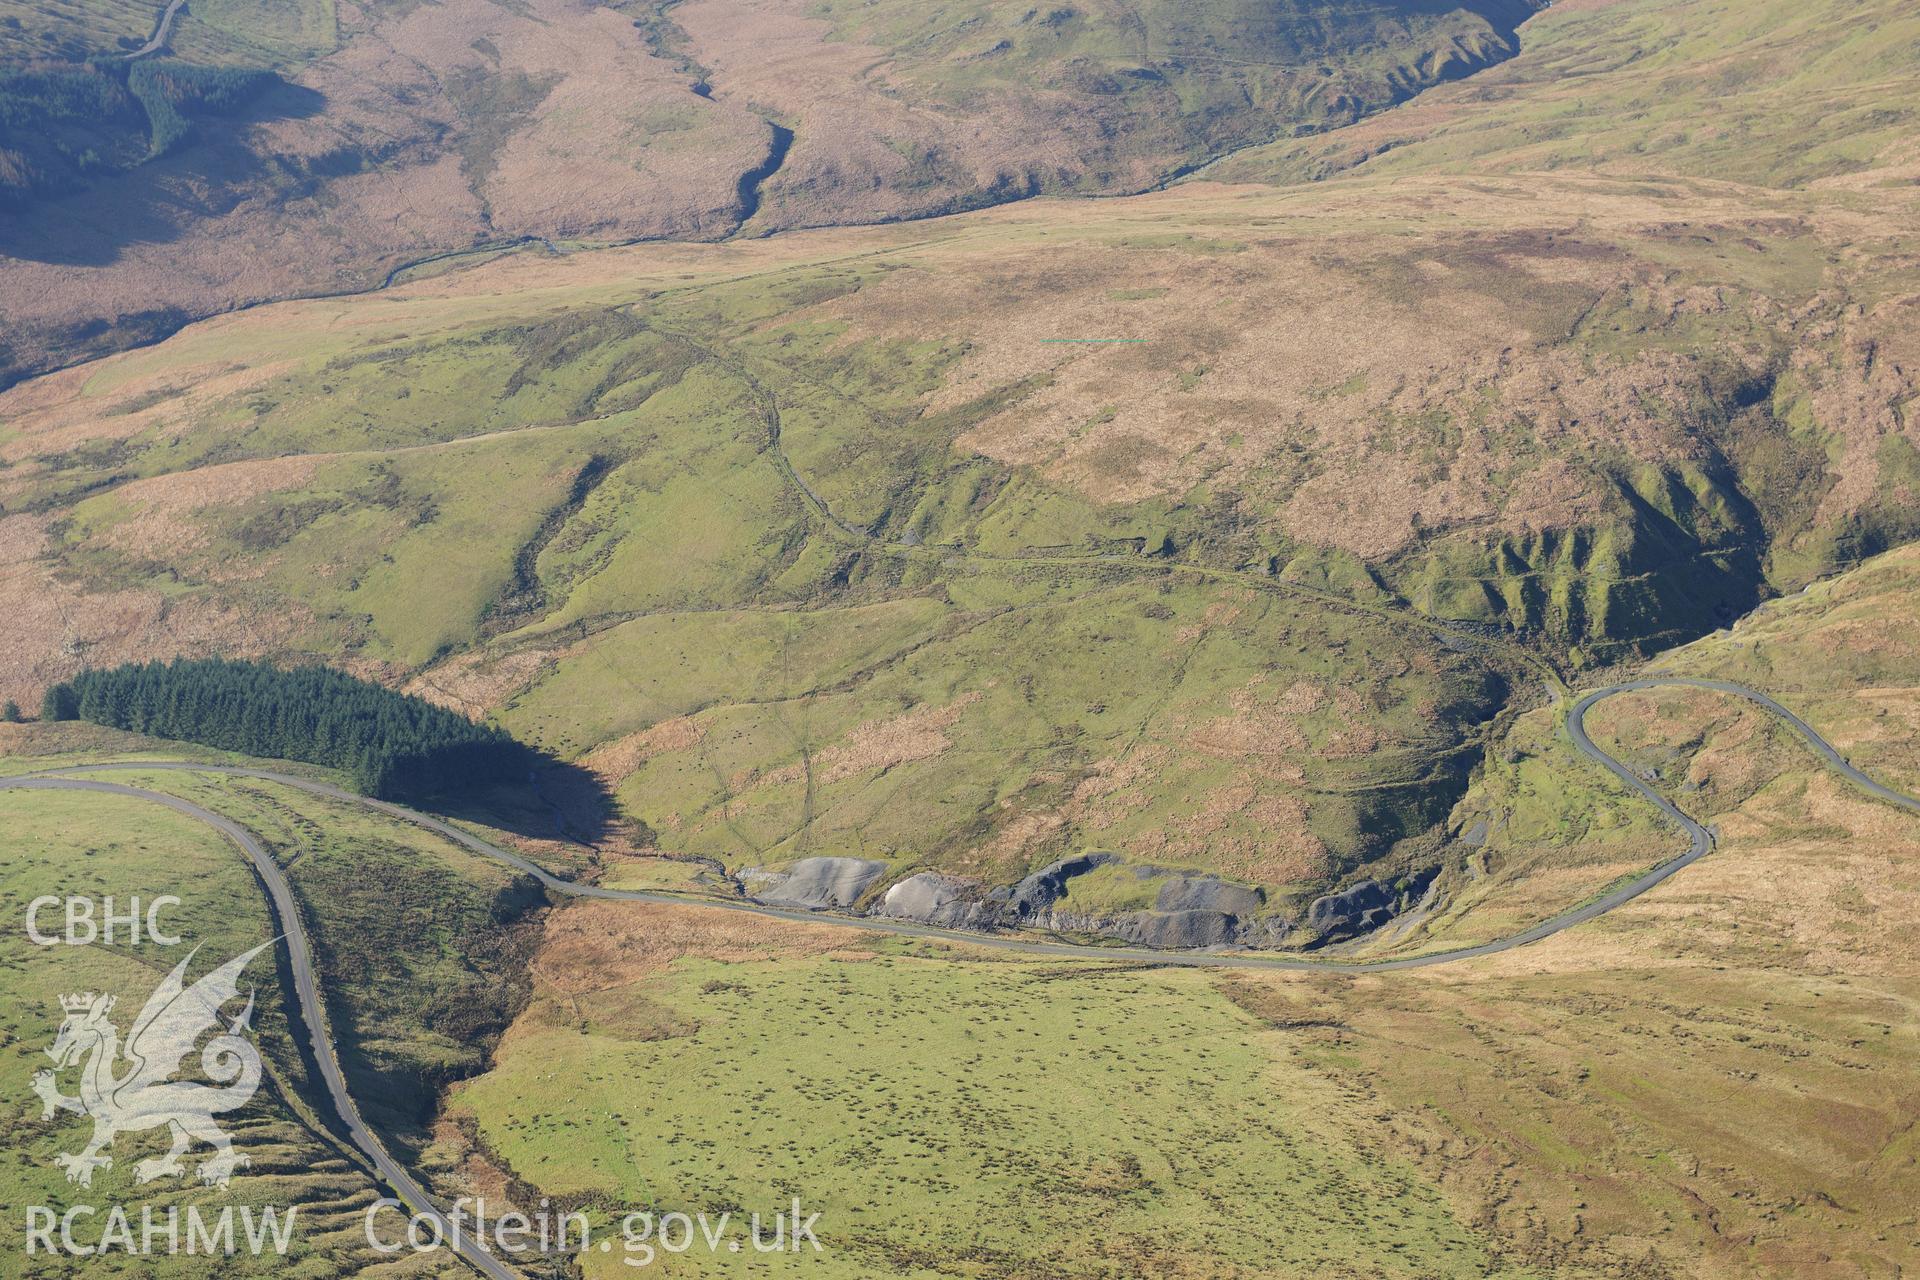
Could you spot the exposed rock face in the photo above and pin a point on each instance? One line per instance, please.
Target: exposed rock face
(920, 897)
(948, 901)
(1208, 893)
(815, 883)
(1365, 906)
(1189, 910)
(1174, 930)
(1178, 929)
(1043, 888)
(1197, 911)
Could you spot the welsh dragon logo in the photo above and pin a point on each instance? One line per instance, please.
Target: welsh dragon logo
(129, 1088)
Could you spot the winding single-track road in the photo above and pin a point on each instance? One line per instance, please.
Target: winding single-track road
(161, 30)
(312, 1013)
(306, 990)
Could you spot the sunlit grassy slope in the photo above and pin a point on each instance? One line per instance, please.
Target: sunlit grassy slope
(212, 31)
(1772, 92)
(93, 846)
(1174, 84)
(1708, 1082)
(835, 543)
(941, 1113)
(1843, 652)
(1557, 829)
(420, 945)
(977, 541)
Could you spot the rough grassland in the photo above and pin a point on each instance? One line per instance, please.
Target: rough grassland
(1626, 437)
(421, 945)
(1709, 1082)
(1558, 830)
(410, 133)
(994, 730)
(1705, 1084)
(1771, 92)
(943, 1114)
(92, 846)
(509, 485)
(850, 587)
(1844, 653)
(218, 32)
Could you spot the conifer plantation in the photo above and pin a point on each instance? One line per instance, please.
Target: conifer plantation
(393, 745)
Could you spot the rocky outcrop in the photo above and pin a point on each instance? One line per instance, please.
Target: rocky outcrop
(948, 901)
(1039, 891)
(1189, 910)
(1341, 915)
(814, 883)
(1364, 907)
(1178, 930)
(1183, 893)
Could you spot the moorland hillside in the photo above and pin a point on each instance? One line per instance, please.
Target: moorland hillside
(274, 151)
(1216, 525)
